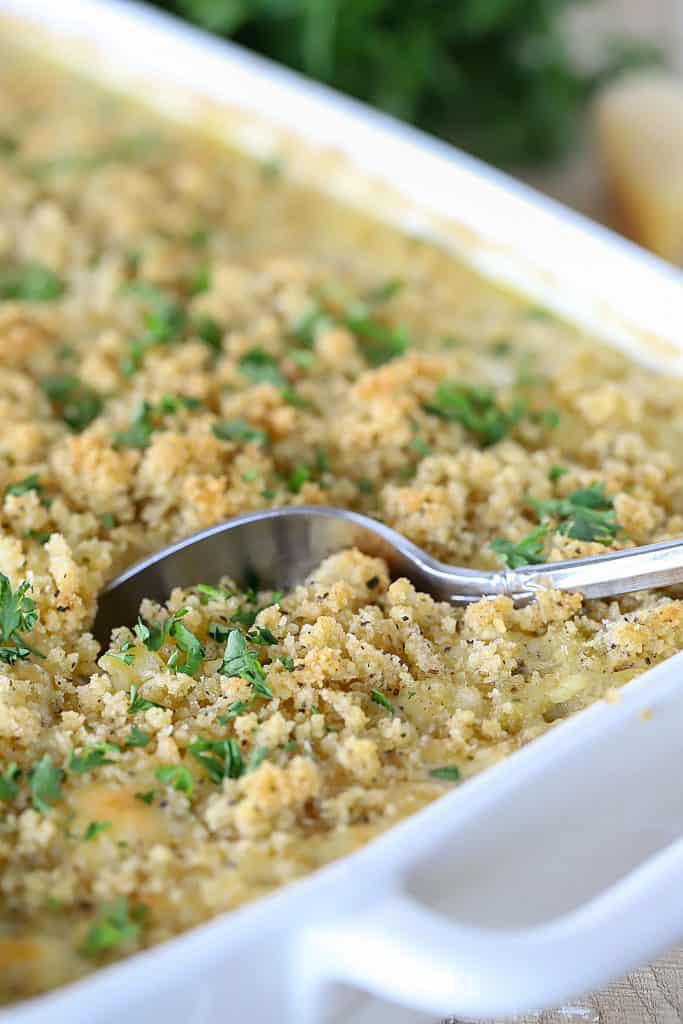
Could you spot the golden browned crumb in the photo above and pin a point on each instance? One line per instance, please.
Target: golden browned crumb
(210, 344)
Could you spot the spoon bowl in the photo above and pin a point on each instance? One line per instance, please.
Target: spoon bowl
(278, 548)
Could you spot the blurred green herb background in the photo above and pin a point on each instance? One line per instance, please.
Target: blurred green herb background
(497, 77)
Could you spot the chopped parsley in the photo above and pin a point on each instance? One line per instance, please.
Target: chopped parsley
(148, 417)
(209, 593)
(124, 653)
(261, 636)
(163, 321)
(45, 784)
(379, 343)
(136, 738)
(94, 829)
(365, 486)
(450, 773)
(379, 698)
(177, 776)
(94, 755)
(220, 758)
(556, 472)
(17, 615)
(528, 551)
(477, 409)
(260, 367)
(40, 536)
(238, 430)
(257, 758)
(138, 703)
(237, 707)
(29, 483)
(31, 282)
(587, 514)
(147, 797)
(209, 331)
(199, 236)
(287, 662)
(137, 435)
(548, 417)
(115, 926)
(200, 280)
(187, 644)
(298, 477)
(76, 403)
(306, 328)
(108, 520)
(385, 291)
(8, 781)
(238, 660)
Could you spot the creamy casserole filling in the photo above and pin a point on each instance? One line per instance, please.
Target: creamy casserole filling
(184, 336)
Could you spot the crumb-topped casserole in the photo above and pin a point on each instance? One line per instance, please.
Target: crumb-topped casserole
(185, 335)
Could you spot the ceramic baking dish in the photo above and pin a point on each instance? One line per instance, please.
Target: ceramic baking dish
(556, 870)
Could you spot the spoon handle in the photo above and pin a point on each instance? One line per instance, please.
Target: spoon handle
(618, 572)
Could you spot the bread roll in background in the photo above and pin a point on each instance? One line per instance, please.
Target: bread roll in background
(638, 123)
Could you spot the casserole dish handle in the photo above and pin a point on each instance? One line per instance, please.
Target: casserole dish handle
(403, 951)
(550, 875)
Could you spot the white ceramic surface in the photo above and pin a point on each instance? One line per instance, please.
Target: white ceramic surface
(553, 872)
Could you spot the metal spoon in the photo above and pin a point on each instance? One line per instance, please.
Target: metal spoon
(280, 547)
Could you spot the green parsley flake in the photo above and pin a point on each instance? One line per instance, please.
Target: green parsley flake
(287, 662)
(31, 282)
(587, 514)
(528, 551)
(40, 536)
(116, 926)
(188, 645)
(124, 653)
(163, 320)
(94, 755)
(209, 331)
(8, 781)
(94, 829)
(200, 280)
(379, 343)
(75, 402)
(450, 773)
(17, 615)
(476, 409)
(237, 707)
(256, 759)
(177, 776)
(556, 472)
(45, 784)
(138, 703)
(238, 660)
(298, 477)
(220, 758)
(238, 430)
(379, 698)
(136, 738)
(29, 483)
(137, 435)
(209, 593)
(260, 367)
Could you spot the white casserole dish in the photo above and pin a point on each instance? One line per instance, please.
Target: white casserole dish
(556, 870)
